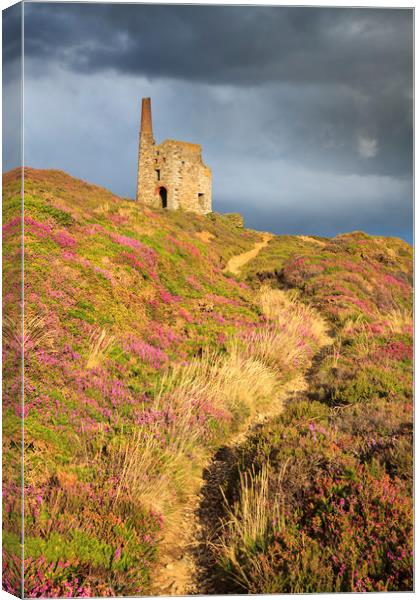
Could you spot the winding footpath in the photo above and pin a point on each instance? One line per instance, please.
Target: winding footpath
(236, 263)
(186, 565)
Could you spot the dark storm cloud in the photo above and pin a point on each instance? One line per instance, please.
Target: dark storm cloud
(227, 44)
(327, 124)
(351, 69)
(12, 88)
(303, 113)
(12, 40)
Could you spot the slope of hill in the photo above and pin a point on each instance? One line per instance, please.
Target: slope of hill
(143, 356)
(328, 485)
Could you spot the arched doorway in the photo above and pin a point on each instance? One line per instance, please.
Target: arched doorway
(163, 194)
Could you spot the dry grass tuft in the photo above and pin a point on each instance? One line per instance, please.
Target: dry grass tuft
(295, 331)
(285, 309)
(102, 209)
(400, 320)
(35, 333)
(99, 342)
(250, 522)
(211, 385)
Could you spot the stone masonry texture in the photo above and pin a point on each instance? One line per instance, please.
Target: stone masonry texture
(172, 174)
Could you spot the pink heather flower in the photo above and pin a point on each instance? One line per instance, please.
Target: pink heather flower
(219, 318)
(123, 240)
(184, 314)
(146, 352)
(93, 228)
(119, 219)
(185, 246)
(68, 255)
(64, 239)
(117, 553)
(41, 230)
(11, 225)
(167, 297)
(162, 336)
(147, 254)
(192, 280)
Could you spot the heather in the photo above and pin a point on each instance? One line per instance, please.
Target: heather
(143, 357)
(11, 381)
(329, 482)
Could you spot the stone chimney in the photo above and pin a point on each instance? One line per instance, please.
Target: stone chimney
(146, 169)
(146, 116)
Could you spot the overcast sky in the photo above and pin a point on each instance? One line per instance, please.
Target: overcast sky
(304, 114)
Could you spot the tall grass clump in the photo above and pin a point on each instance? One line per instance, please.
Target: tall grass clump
(400, 320)
(249, 524)
(194, 407)
(286, 309)
(36, 334)
(99, 343)
(291, 335)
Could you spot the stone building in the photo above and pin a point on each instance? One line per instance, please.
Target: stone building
(171, 174)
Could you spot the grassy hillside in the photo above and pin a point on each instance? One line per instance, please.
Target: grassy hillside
(142, 357)
(324, 492)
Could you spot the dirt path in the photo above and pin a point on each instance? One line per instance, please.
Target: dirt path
(185, 567)
(311, 240)
(235, 264)
(206, 577)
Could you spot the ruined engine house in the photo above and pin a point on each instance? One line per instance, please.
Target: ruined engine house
(172, 174)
